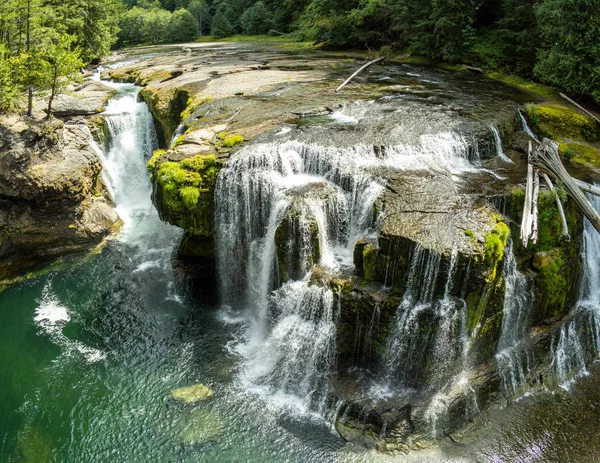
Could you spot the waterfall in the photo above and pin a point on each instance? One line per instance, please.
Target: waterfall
(427, 334)
(281, 209)
(131, 141)
(498, 142)
(514, 355)
(579, 337)
(526, 127)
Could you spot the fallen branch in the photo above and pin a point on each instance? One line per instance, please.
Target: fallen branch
(362, 68)
(534, 206)
(526, 223)
(561, 211)
(473, 69)
(591, 189)
(580, 107)
(546, 159)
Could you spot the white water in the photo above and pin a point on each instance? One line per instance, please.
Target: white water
(514, 354)
(132, 141)
(526, 127)
(579, 338)
(498, 142)
(315, 202)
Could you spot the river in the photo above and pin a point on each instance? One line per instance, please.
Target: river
(91, 348)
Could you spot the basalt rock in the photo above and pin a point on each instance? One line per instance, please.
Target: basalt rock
(51, 197)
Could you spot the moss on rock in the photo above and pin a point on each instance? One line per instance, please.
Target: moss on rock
(183, 192)
(560, 123)
(580, 153)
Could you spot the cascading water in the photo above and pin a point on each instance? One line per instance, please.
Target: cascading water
(283, 207)
(514, 355)
(579, 337)
(526, 127)
(280, 209)
(498, 142)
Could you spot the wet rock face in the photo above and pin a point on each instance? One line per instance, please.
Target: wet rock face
(51, 197)
(369, 427)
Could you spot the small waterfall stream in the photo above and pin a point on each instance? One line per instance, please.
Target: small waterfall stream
(514, 355)
(579, 338)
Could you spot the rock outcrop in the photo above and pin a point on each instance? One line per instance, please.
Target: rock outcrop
(52, 201)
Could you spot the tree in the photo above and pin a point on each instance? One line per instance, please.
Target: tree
(201, 11)
(9, 85)
(569, 56)
(221, 26)
(131, 25)
(183, 27)
(61, 65)
(256, 19)
(155, 28)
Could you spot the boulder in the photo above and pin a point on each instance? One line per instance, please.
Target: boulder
(84, 100)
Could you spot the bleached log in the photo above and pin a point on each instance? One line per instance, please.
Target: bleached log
(534, 206)
(587, 188)
(362, 68)
(546, 158)
(561, 211)
(526, 222)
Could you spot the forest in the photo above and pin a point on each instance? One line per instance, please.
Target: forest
(44, 43)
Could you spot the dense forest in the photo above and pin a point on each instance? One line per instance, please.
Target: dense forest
(44, 42)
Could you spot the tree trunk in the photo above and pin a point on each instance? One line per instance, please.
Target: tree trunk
(29, 81)
(546, 159)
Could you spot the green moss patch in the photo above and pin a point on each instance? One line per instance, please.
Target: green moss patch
(495, 241)
(560, 123)
(581, 154)
(184, 192)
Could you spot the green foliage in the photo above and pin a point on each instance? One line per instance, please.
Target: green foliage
(232, 140)
(189, 195)
(256, 20)
(580, 153)
(201, 12)
(569, 55)
(495, 241)
(221, 25)
(560, 122)
(183, 26)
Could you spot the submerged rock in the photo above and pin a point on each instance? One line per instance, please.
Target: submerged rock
(201, 426)
(192, 394)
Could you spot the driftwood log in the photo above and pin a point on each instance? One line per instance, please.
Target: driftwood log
(362, 68)
(561, 211)
(545, 157)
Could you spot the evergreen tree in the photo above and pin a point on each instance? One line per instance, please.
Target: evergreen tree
(570, 53)
(61, 64)
(221, 26)
(201, 11)
(256, 19)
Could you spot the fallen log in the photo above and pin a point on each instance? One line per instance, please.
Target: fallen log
(527, 222)
(580, 107)
(587, 188)
(362, 68)
(563, 219)
(546, 158)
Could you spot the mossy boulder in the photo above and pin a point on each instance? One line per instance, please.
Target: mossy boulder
(580, 153)
(562, 123)
(554, 263)
(183, 191)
